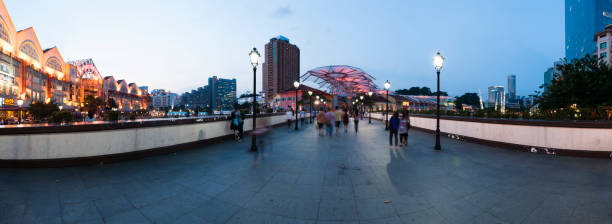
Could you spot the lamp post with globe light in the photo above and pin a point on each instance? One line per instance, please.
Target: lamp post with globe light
(254, 55)
(19, 103)
(362, 107)
(370, 114)
(387, 86)
(310, 110)
(296, 84)
(438, 60)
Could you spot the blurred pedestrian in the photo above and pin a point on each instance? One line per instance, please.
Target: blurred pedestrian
(394, 123)
(302, 116)
(345, 120)
(356, 121)
(338, 118)
(403, 129)
(289, 116)
(321, 120)
(259, 153)
(330, 117)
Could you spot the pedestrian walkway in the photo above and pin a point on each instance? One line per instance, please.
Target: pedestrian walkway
(351, 178)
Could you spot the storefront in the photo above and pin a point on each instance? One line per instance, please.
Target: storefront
(10, 111)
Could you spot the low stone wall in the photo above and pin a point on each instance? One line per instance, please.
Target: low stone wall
(592, 139)
(100, 140)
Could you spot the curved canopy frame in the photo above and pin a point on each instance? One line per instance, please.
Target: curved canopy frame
(341, 79)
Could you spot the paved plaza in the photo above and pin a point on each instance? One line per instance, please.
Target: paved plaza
(351, 178)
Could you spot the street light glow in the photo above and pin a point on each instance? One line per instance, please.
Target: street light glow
(296, 84)
(254, 57)
(438, 60)
(387, 85)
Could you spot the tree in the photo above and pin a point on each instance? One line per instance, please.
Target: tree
(422, 91)
(471, 99)
(583, 83)
(110, 104)
(42, 111)
(93, 104)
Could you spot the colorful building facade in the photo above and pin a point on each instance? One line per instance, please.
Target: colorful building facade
(30, 74)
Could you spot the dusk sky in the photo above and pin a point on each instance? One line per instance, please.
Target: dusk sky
(177, 45)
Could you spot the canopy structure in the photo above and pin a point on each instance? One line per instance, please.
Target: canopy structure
(341, 79)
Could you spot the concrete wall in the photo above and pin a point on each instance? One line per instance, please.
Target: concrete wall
(570, 138)
(106, 142)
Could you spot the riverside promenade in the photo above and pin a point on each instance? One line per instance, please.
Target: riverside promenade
(350, 178)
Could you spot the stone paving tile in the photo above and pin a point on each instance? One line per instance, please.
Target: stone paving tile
(215, 211)
(368, 209)
(79, 212)
(308, 179)
(337, 210)
(111, 206)
(130, 216)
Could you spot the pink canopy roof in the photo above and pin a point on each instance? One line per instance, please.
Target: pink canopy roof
(341, 79)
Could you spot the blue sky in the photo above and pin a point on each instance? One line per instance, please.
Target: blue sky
(177, 45)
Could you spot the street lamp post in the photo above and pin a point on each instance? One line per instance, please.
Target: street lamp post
(310, 110)
(296, 84)
(19, 103)
(254, 55)
(387, 86)
(362, 107)
(370, 114)
(438, 61)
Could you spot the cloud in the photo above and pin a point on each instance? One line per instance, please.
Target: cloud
(283, 11)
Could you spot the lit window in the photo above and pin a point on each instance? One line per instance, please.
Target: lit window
(54, 64)
(603, 55)
(603, 45)
(3, 33)
(28, 48)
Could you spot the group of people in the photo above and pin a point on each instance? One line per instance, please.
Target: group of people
(328, 119)
(399, 125)
(290, 116)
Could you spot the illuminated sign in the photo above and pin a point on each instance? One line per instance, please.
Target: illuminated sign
(9, 101)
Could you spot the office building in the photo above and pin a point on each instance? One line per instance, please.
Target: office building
(549, 75)
(281, 67)
(162, 99)
(602, 40)
(222, 93)
(496, 97)
(219, 94)
(584, 18)
(511, 87)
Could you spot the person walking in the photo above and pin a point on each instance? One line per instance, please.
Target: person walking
(403, 129)
(356, 121)
(234, 124)
(345, 120)
(240, 118)
(338, 113)
(330, 118)
(321, 120)
(302, 116)
(394, 123)
(289, 116)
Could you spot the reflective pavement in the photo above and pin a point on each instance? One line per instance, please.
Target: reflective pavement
(351, 178)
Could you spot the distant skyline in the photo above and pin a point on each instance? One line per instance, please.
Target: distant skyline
(178, 45)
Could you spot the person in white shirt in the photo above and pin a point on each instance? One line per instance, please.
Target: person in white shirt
(289, 115)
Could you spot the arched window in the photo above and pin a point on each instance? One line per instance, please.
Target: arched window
(28, 48)
(54, 64)
(3, 33)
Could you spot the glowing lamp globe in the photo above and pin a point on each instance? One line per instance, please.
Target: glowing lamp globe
(254, 57)
(438, 60)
